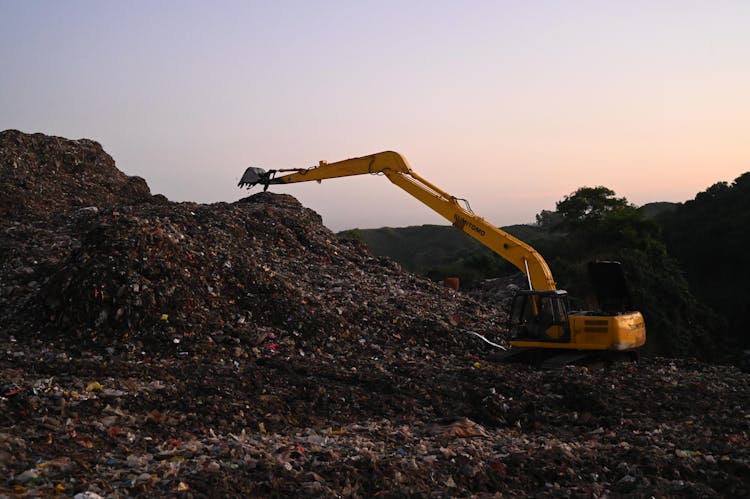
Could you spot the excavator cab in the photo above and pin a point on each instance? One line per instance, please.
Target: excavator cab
(540, 316)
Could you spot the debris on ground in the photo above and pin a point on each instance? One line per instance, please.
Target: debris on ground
(151, 348)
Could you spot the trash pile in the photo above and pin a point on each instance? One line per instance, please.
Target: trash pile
(241, 349)
(43, 175)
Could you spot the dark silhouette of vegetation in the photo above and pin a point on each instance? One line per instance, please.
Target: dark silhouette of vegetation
(656, 209)
(710, 237)
(595, 225)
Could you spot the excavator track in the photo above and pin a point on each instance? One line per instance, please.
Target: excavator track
(549, 359)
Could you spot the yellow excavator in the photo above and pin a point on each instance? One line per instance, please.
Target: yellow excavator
(540, 317)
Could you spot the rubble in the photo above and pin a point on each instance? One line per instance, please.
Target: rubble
(150, 348)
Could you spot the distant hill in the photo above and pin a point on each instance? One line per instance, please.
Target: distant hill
(653, 210)
(438, 251)
(416, 248)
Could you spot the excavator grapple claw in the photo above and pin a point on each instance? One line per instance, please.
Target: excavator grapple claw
(254, 176)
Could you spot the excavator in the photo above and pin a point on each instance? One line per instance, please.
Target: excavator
(540, 319)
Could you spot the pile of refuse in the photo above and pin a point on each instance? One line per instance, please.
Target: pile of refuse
(241, 349)
(147, 274)
(42, 176)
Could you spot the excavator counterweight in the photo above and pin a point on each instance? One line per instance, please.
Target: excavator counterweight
(539, 317)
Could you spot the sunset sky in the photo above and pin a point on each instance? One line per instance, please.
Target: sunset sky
(509, 104)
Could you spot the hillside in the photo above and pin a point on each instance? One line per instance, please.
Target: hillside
(438, 251)
(151, 348)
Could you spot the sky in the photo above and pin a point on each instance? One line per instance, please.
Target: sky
(512, 105)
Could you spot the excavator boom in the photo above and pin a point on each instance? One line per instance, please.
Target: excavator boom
(395, 167)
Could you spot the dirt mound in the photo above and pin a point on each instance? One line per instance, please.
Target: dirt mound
(40, 175)
(150, 348)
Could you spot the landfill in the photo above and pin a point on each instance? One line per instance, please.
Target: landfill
(159, 349)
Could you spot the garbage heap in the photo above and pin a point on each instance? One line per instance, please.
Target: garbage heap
(151, 348)
(43, 176)
(106, 263)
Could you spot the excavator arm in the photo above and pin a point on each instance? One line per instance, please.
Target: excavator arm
(397, 170)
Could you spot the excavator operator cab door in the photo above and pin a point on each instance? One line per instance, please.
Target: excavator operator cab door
(540, 316)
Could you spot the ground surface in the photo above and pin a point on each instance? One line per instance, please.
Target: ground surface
(150, 348)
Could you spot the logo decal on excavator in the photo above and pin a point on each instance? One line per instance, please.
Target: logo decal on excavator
(459, 222)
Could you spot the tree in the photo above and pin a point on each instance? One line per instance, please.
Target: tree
(548, 219)
(710, 237)
(589, 205)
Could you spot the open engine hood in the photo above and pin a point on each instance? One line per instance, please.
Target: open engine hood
(610, 286)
